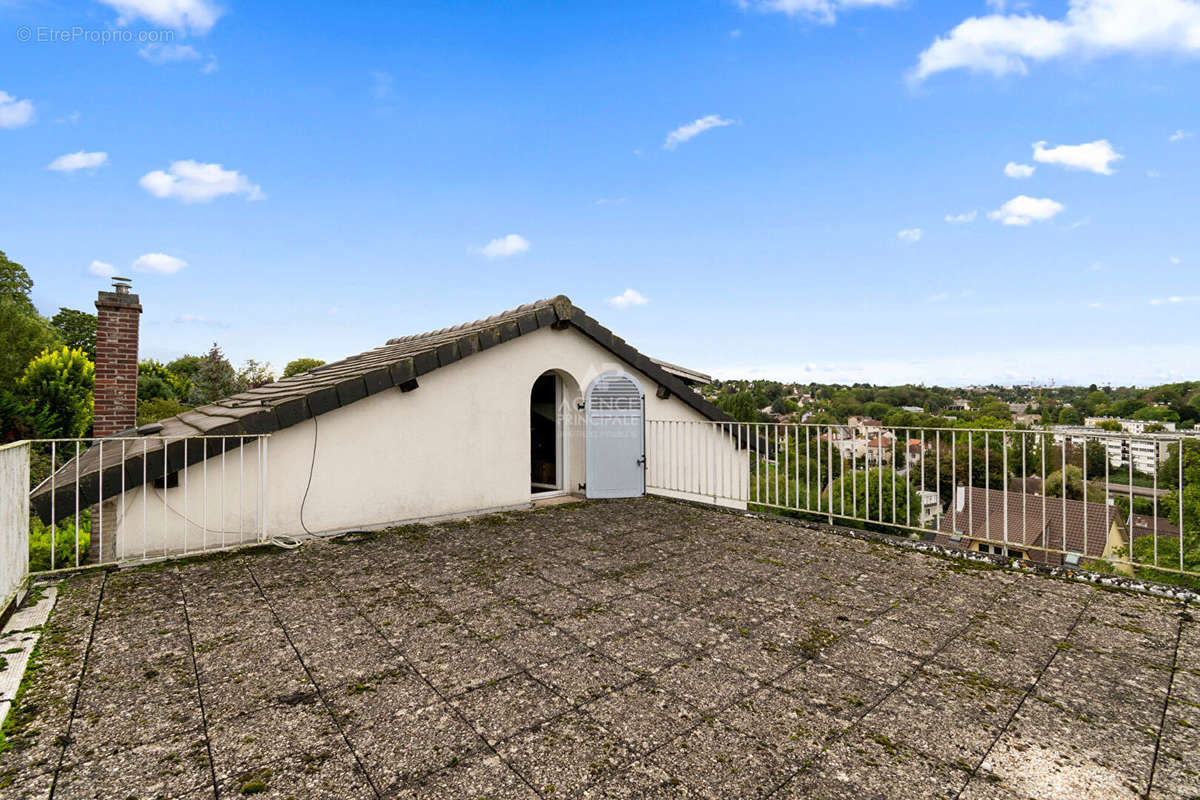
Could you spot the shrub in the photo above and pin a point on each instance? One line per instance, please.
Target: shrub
(158, 409)
(301, 365)
(64, 542)
(59, 383)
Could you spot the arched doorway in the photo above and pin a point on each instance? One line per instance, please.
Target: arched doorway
(616, 447)
(546, 435)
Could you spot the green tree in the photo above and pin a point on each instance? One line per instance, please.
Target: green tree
(15, 283)
(740, 406)
(58, 384)
(296, 366)
(23, 335)
(255, 374)
(1097, 458)
(76, 329)
(1070, 416)
(213, 379)
(185, 366)
(858, 494)
(1156, 414)
(156, 380)
(1109, 425)
(1053, 486)
(20, 420)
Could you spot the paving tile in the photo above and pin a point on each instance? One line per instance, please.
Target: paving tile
(947, 716)
(500, 709)
(716, 760)
(638, 780)
(562, 756)
(165, 768)
(248, 741)
(832, 691)
(1051, 752)
(582, 676)
(396, 744)
(783, 723)
(483, 775)
(644, 716)
(644, 652)
(320, 772)
(705, 682)
(866, 764)
(1177, 769)
(238, 675)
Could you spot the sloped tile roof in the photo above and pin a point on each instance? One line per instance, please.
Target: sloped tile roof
(1033, 521)
(290, 401)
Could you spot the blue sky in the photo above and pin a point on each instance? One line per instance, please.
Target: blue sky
(321, 180)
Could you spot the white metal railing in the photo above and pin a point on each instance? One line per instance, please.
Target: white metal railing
(966, 488)
(127, 499)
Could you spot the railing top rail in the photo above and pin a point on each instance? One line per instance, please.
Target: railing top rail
(152, 437)
(1100, 432)
(12, 445)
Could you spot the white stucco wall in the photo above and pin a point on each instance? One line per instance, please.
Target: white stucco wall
(456, 445)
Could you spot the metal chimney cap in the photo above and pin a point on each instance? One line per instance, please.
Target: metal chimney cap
(121, 284)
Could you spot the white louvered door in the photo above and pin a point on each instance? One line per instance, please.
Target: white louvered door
(616, 453)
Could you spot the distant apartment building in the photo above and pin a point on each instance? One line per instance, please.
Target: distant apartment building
(1128, 425)
(1145, 452)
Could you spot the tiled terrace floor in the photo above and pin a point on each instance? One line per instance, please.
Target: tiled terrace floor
(629, 649)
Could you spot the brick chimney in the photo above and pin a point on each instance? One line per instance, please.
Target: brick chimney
(116, 359)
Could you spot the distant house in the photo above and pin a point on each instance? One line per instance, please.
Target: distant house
(913, 409)
(1030, 485)
(961, 404)
(931, 506)
(1044, 530)
(1148, 525)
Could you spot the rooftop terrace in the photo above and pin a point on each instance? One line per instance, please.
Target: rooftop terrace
(637, 648)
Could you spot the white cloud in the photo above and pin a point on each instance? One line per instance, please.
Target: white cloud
(1153, 173)
(627, 298)
(1094, 156)
(824, 11)
(1004, 44)
(505, 246)
(159, 264)
(1176, 260)
(958, 219)
(102, 270)
(14, 113)
(1174, 300)
(910, 234)
(1022, 210)
(81, 160)
(159, 53)
(1179, 135)
(191, 318)
(194, 16)
(685, 132)
(1014, 170)
(193, 182)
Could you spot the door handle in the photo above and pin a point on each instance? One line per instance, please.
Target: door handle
(641, 461)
